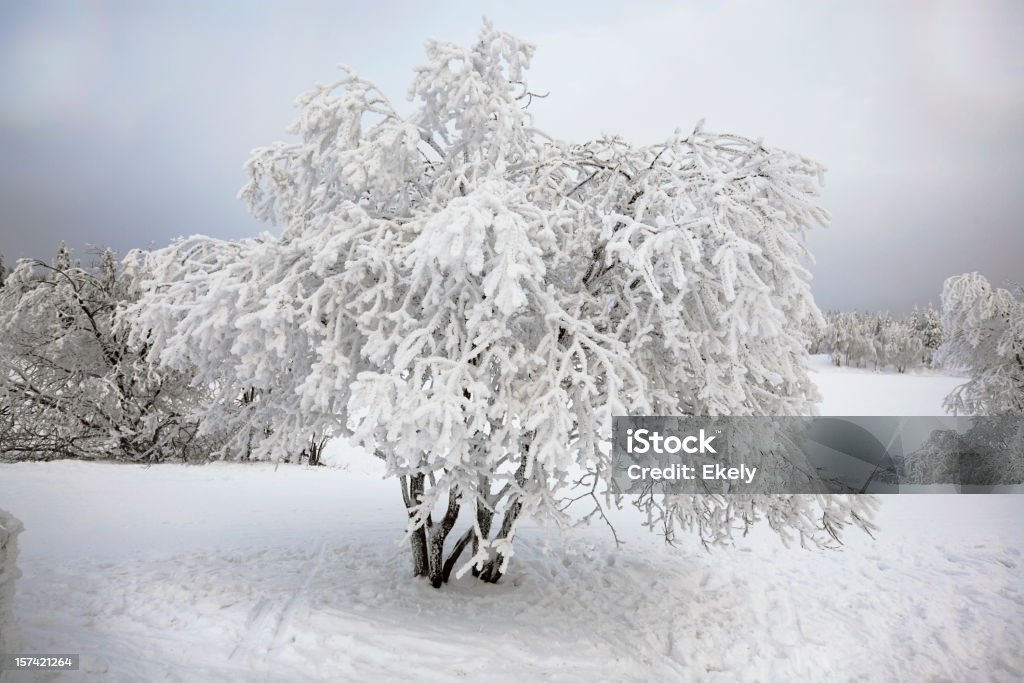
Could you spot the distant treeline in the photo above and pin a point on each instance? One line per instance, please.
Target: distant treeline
(878, 340)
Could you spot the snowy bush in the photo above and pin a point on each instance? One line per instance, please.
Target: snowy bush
(472, 301)
(988, 454)
(984, 328)
(9, 530)
(71, 384)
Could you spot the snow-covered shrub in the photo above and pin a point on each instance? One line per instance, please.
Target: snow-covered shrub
(988, 454)
(984, 337)
(9, 573)
(71, 384)
(472, 300)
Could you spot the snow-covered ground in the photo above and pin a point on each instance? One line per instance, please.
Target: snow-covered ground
(247, 573)
(853, 391)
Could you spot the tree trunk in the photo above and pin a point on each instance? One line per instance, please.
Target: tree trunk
(491, 572)
(420, 561)
(483, 520)
(435, 558)
(460, 546)
(438, 533)
(427, 541)
(412, 494)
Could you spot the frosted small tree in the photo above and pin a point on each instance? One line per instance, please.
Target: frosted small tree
(472, 301)
(927, 325)
(836, 339)
(816, 331)
(71, 385)
(902, 345)
(984, 337)
(851, 339)
(877, 345)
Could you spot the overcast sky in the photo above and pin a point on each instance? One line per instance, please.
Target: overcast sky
(127, 124)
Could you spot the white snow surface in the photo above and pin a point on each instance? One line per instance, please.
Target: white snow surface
(233, 572)
(855, 391)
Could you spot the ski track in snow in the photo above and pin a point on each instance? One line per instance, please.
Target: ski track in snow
(244, 573)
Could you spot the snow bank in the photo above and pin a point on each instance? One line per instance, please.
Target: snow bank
(9, 530)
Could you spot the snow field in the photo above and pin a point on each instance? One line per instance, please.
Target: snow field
(246, 573)
(854, 391)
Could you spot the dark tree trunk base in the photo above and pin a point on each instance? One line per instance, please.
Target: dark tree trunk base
(491, 571)
(428, 541)
(418, 542)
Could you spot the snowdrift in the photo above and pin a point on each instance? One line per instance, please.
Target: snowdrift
(9, 530)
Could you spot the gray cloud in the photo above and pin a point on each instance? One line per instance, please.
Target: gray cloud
(128, 124)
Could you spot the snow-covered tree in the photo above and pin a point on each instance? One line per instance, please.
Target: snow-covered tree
(984, 337)
(927, 324)
(472, 300)
(71, 384)
(815, 329)
(902, 347)
(850, 337)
